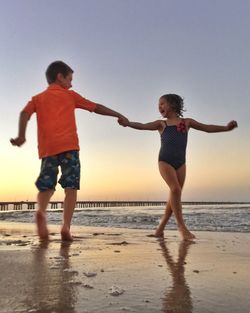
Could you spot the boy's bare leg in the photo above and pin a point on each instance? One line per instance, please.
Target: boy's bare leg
(43, 199)
(172, 178)
(68, 210)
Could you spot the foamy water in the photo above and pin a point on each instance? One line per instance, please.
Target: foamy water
(221, 217)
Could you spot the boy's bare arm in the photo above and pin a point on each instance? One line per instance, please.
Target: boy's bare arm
(20, 139)
(103, 110)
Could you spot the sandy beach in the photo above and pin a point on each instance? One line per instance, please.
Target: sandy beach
(122, 270)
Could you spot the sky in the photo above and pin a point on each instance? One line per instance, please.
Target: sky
(125, 55)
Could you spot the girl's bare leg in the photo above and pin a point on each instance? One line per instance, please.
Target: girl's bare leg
(175, 181)
(43, 199)
(164, 220)
(69, 207)
(181, 175)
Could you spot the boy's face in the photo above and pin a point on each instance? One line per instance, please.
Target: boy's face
(65, 82)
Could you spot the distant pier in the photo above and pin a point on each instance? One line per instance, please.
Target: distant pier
(31, 205)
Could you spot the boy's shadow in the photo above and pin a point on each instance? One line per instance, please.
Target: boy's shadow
(177, 298)
(51, 290)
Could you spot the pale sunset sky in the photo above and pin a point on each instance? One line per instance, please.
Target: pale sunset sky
(125, 55)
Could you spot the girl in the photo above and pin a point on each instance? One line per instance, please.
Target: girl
(172, 157)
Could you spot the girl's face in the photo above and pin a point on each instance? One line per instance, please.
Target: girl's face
(164, 108)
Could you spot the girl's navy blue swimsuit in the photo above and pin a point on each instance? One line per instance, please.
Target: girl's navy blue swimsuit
(173, 146)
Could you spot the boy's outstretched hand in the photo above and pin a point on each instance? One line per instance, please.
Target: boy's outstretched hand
(19, 141)
(231, 125)
(123, 121)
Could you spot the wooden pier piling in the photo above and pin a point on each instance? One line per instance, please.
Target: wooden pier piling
(31, 205)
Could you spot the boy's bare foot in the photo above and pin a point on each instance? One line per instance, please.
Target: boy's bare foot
(65, 234)
(42, 225)
(186, 234)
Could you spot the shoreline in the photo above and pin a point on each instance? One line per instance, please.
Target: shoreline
(29, 227)
(116, 270)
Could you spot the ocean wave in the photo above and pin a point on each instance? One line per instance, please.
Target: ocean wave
(220, 219)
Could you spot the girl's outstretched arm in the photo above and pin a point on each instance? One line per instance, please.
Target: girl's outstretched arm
(210, 128)
(156, 125)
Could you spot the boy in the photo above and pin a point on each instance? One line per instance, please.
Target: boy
(57, 141)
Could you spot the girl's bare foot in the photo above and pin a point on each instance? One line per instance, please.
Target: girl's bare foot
(186, 234)
(42, 225)
(156, 236)
(65, 234)
(159, 233)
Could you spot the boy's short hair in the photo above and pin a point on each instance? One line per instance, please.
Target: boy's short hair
(176, 102)
(55, 68)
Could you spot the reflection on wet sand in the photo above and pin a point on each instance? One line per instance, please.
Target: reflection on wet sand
(51, 290)
(178, 296)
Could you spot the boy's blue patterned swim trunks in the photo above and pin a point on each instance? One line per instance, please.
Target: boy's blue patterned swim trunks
(70, 168)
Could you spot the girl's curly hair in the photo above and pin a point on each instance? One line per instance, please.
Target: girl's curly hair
(176, 102)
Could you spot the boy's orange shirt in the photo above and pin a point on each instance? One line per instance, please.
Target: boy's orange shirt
(56, 125)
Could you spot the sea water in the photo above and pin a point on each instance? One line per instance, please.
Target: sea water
(205, 217)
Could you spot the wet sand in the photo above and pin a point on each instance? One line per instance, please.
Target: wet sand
(119, 270)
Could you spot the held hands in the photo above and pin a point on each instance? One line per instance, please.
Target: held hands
(123, 121)
(19, 141)
(231, 125)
